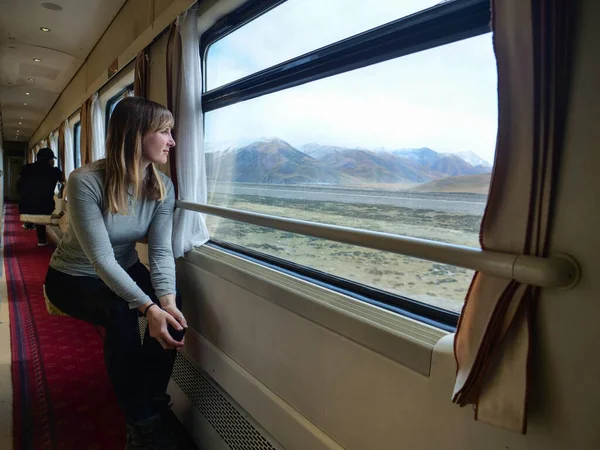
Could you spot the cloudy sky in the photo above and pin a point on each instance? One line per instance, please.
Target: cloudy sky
(443, 98)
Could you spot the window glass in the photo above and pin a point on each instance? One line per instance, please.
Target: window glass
(404, 147)
(297, 27)
(112, 103)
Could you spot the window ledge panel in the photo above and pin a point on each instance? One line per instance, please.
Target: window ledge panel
(404, 340)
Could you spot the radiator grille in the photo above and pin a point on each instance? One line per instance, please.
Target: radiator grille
(235, 429)
(142, 324)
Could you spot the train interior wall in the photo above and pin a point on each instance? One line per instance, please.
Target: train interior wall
(319, 376)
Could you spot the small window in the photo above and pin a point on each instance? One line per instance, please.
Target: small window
(77, 144)
(402, 145)
(113, 101)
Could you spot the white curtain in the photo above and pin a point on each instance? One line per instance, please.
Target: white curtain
(189, 228)
(53, 138)
(36, 149)
(69, 159)
(98, 151)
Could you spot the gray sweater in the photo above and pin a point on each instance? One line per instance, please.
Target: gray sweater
(103, 245)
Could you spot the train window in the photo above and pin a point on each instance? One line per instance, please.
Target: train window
(400, 145)
(113, 101)
(77, 144)
(297, 27)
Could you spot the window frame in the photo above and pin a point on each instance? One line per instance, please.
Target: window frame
(110, 102)
(439, 25)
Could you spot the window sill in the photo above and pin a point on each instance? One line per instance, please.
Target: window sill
(404, 340)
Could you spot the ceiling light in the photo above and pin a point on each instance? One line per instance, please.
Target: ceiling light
(30, 79)
(26, 93)
(20, 123)
(37, 60)
(24, 104)
(45, 30)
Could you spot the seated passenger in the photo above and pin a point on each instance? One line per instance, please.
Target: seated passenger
(36, 185)
(95, 274)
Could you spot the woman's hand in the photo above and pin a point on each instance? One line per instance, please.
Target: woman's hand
(168, 303)
(158, 320)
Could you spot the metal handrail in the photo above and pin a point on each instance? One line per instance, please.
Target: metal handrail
(556, 271)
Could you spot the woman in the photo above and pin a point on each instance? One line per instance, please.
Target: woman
(95, 274)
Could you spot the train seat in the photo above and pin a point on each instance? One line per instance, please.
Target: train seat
(52, 310)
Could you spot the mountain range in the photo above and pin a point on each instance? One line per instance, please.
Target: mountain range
(275, 161)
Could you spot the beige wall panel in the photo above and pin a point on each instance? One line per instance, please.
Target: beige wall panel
(169, 13)
(68, 101)
(158, 71)
(365, 401)
(359, 398)
(140, 44)
(160, 6)
(567, 367)
(132, 20)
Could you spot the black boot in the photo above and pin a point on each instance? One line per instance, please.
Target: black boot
(162, 403)
(150, 434)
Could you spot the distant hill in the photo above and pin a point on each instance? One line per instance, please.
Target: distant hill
(367, 165)
(444, 163)
(423, 156)
(473, 184)
(473, 159)
(275, 161)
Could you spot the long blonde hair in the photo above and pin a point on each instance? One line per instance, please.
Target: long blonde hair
(131, 120)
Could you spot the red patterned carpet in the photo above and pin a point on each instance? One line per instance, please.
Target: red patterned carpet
(62, 396)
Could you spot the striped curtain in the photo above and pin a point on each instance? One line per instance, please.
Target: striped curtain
(533, 45)
(141, 84)
(61, 146)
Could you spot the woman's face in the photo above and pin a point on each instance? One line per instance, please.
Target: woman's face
(156, 146)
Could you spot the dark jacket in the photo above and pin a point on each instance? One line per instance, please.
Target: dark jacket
(36, 186)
